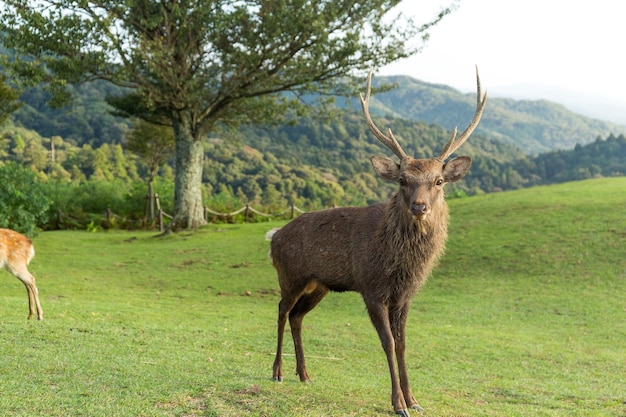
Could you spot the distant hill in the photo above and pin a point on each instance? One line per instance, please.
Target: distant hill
(86, 120)
(327, 161)
(315, 163)
(584, 103)
(534, 126)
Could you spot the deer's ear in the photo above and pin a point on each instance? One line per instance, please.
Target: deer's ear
(456, 169)
(386, 168)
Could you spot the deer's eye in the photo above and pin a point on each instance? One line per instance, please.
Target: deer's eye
(439, 182)
(402, 181)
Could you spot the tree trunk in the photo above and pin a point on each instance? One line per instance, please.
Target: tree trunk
(188, 210)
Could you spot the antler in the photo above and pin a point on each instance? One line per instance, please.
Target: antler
(455, 143)
(389, 141)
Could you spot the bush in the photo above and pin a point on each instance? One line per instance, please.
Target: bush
(23, 201)
(85, 205)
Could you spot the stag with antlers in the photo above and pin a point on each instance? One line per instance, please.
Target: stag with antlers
(385, 252)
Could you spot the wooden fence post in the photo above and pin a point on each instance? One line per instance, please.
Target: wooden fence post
(160, 215)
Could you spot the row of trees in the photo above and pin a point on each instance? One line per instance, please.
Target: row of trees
(601, 158)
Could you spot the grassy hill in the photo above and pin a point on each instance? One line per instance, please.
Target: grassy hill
(523, 317)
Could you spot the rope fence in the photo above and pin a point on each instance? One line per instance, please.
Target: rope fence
(289, 212)
(159, 219)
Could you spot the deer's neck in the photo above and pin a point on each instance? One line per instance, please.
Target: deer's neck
(411, 247)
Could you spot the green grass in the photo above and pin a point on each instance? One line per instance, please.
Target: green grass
(525, 316)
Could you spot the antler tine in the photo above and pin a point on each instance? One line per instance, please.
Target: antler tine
(455, 143)
(389, 141)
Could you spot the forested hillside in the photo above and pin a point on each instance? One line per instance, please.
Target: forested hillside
(534, 126)
(86, 120)
(314, 163)
(80, 152)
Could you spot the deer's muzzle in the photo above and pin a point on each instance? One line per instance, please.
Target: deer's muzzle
(419, 209)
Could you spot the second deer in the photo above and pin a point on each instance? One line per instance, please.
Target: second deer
(385, 252)
(16, 252)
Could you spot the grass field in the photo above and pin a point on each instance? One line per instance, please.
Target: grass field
(525, 316)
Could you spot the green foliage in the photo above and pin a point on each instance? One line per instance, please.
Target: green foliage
(527, 321)
(23, 202)
(601, 158)
(110, 204)
(87, 119)
(153, 143)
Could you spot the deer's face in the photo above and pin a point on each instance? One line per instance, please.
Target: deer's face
(421, 181)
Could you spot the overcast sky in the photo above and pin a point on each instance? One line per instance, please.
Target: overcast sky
(524, 49)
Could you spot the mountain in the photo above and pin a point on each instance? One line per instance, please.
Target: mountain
(583, 103)
(314, 163)
(534, 126)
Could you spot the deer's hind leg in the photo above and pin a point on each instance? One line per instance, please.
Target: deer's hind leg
(290, 295)
(31, 288)
(284, 306)
(305, 303)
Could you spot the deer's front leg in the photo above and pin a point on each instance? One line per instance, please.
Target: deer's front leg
(379, 314)
(397, 319)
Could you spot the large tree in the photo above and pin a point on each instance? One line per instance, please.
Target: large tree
(205, 64)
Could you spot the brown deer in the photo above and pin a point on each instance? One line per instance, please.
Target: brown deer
(16, 252)
(385, 252)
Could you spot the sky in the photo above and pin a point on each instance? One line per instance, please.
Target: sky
(570, 52)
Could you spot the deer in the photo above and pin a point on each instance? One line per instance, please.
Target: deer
(385, 251)
(16, 252)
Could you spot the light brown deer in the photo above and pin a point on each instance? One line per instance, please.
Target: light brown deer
(385, 251)
(16, 252)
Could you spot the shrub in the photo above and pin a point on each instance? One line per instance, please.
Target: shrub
(23, 201)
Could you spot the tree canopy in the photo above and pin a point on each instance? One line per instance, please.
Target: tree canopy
(205, 64)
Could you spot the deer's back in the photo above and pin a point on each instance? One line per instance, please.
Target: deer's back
(331, 246)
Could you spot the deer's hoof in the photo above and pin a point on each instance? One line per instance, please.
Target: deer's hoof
(418, 408)
(278, 379)
(403, 413)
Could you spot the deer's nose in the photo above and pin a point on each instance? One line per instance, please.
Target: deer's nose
(419, 209)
